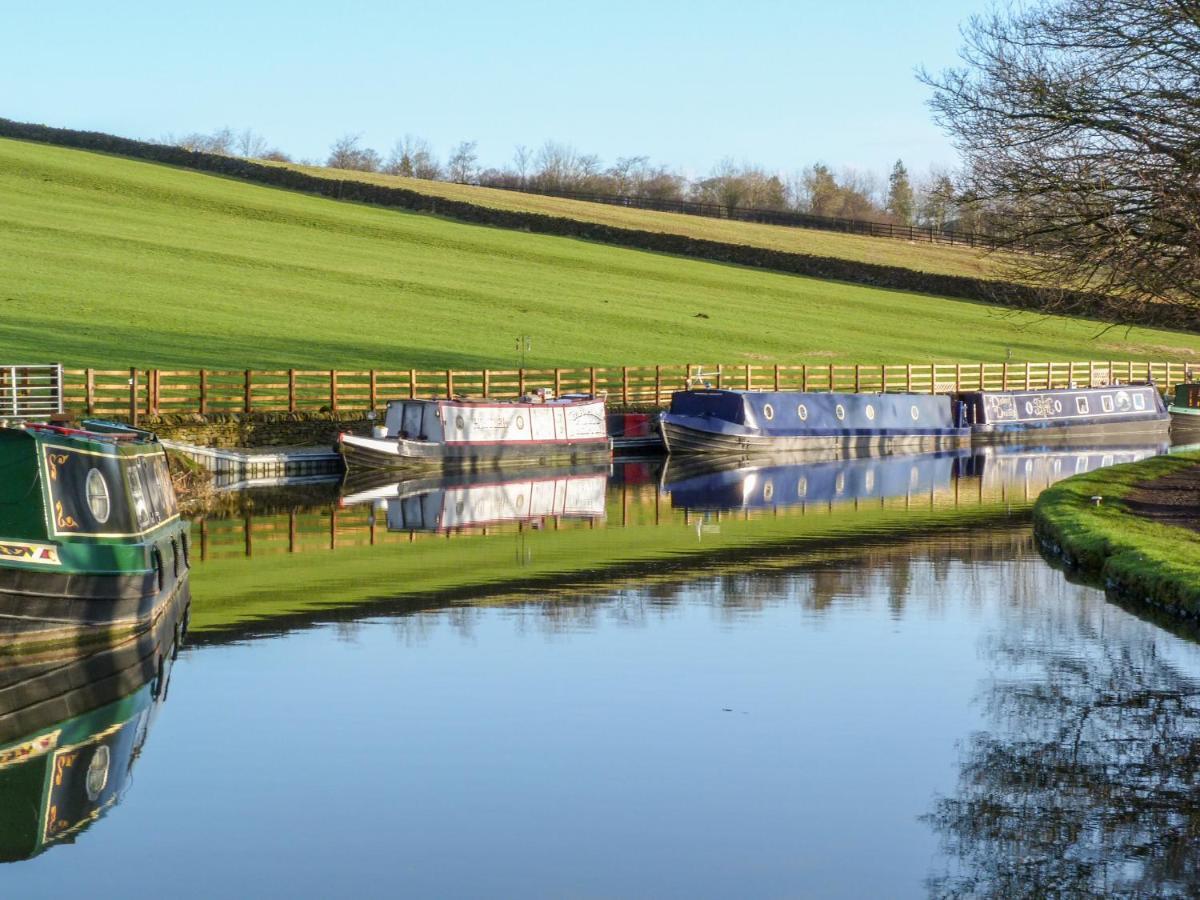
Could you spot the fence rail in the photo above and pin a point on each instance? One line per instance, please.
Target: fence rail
(136, 393)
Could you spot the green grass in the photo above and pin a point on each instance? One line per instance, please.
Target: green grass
(114, 262)
(1143, 559)
(923, 256)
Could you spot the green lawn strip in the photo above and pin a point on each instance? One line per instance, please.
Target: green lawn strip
(110, 262)
(1139, 558)
(235, 591)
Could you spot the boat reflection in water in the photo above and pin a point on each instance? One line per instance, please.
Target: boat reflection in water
(471, 500)
(72, 721)
(764, 483)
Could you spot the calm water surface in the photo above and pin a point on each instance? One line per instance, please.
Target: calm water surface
(728, 699)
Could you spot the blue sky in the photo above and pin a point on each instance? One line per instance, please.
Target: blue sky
(782, 84)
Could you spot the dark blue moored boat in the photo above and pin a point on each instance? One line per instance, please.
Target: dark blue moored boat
(1130, 411)
(749, 422)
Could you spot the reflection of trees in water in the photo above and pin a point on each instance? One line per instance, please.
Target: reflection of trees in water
(1086, 783)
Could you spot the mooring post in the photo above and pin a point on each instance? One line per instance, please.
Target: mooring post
(133, 395)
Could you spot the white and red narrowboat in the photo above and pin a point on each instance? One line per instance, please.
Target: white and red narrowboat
(469, 435)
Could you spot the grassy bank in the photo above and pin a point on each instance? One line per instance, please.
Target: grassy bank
(922, 256)
(1138, 558)
(113, 262)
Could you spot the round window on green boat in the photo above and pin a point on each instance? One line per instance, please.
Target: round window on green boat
(98, 499)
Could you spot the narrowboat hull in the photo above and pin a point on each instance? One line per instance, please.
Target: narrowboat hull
(427, 456)
(91, 542)
(1132, 413)
(470, 436)
(1185, 425)
(755, 423)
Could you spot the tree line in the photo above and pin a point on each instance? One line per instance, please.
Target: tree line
(929, 201)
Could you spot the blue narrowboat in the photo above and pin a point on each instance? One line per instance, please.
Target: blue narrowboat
(1130, 411)
(750, 422)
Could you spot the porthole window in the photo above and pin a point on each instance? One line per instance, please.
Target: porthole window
(802, 487)
(840, 412)
(98, 500)
(802, 412)
(914, 412)
(870, 412)
(768, 411)
(768, 491)
(460, 423)
(520, 422)
(96, 779)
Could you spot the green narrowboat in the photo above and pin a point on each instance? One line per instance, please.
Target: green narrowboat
(72, 722)
(90, 534)
(1185, 414)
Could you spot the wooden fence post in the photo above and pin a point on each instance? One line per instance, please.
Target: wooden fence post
(749, 377)
(831, 388)
(133, 395)
(958, 376)
(592, 377)
(90, 391)
(521, 382)
(981, 387)
(449, 384)
(247, 401)
(333, 390)
(658, 384)
(883, 378)
(487, 382)
(203, 392)
(412, 384)
(804, 377)
(777, 376)
(557, 381)
(625, 384)
(1004, 377)
(857, 377)
(908, 377)
(373, 391)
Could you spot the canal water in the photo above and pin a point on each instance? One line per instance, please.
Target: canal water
(854, 679)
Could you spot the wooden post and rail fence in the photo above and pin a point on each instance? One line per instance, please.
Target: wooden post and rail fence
(132, 394)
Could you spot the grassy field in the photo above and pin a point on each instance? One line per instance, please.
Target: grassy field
(112, 262)
(1145, 559)
(923, 256)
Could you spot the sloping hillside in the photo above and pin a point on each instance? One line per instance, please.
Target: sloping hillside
(109, 261)
(941, 259)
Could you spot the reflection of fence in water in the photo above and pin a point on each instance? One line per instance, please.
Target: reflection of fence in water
(329, 528)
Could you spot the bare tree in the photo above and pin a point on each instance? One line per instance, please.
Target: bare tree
(522, 160)
(348, 153)
(1079, 124)
(463, 162)
(250, 144)
(412, 157)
